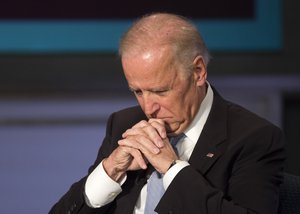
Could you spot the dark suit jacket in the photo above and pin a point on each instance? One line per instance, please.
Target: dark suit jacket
(243, 176)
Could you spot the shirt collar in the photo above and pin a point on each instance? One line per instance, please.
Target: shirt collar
(195, 128)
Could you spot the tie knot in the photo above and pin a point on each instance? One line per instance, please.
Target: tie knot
(174, 140)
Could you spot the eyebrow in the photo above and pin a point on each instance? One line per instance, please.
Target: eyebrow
(163, 88)
(160, 89)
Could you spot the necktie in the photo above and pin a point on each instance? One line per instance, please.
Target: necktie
(155, 188)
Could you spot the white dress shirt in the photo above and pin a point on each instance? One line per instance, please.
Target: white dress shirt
(98, 194)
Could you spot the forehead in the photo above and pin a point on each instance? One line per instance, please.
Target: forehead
(153, 67)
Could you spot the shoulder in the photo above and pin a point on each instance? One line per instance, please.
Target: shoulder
(241, 123)
(243, 118)
(252, 132)
(236, 114)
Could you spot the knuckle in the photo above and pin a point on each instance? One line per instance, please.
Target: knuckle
(148, 128)
(120, 141)
(157, 121)
(143, 123)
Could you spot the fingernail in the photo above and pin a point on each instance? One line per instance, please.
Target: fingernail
(160, 143)
(156, 150)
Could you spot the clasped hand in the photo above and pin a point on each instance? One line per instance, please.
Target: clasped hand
(146, 142)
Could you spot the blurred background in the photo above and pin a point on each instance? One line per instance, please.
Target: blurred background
(60, 78)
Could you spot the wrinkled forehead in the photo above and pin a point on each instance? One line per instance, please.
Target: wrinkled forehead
(160, 54)
(159, 61)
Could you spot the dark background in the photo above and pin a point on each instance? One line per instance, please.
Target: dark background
(95, 9)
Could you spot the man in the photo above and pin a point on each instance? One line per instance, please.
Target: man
(227, 160)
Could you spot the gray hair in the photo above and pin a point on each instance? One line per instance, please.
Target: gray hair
(160, 29)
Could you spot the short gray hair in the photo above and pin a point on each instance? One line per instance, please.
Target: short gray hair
(165, 29)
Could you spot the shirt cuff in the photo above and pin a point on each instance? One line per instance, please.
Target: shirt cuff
(173, 171)
(100, 189)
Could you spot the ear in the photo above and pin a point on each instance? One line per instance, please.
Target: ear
(199, 72)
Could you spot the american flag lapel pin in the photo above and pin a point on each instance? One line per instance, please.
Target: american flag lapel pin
(210, 155)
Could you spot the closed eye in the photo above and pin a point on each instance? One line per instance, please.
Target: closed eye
(161, 92)
(136, 92)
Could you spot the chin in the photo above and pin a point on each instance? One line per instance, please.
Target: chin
(173, 131)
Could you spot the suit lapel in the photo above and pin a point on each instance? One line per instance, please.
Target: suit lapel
(127, 199)
(210, 145)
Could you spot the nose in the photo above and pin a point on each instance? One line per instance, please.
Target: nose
(151, 106)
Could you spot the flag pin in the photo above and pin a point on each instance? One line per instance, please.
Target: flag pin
(210, 155)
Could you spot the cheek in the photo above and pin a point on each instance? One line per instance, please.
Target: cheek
(172, 107)
(140, 102)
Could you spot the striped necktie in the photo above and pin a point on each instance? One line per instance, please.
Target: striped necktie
(155, 188)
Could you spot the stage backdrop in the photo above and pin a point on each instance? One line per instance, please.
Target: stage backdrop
(62, 26)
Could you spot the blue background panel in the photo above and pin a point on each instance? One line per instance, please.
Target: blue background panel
(263, 33)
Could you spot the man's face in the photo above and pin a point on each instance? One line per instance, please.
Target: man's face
(163, 90)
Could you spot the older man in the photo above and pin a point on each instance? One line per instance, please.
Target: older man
(225, 159)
